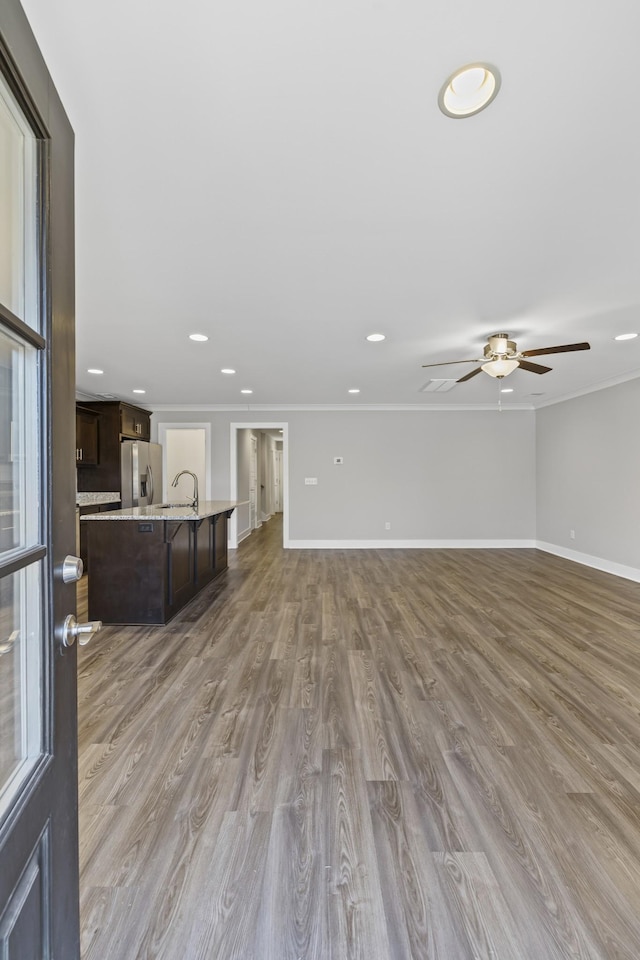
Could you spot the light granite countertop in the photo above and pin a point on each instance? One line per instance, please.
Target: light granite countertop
(159, 511)
(96, 499)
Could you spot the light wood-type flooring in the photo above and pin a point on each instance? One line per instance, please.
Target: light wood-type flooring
(381, 755)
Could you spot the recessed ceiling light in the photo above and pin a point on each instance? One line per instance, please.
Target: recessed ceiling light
(95, 370)
(375, 337)
(200, 337)
(246, 391)
(626, 336)
(139, 391)
(469, 90)
(354, 390)
(227, 370)
(507, 390)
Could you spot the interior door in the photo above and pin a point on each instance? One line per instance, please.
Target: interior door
(38, 740)
(277, 480)
(253, 484)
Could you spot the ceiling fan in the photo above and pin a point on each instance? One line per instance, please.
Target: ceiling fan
(502, 357)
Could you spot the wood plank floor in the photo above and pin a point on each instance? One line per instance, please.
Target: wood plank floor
(381, 755)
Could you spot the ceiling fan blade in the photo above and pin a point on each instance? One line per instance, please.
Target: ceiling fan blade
(565, 348)
(533, 367)
(468, 376)
(445, 363)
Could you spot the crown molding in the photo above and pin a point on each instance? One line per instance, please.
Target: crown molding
(340, 408)
(601, 385)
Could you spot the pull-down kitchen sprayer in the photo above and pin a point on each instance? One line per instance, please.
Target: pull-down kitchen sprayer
(174, 483)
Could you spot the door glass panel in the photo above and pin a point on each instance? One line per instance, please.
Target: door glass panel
(21, 737)
(21, 632)
(19, 468)
(18, 221)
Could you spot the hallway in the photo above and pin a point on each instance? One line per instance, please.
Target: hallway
(367, 754)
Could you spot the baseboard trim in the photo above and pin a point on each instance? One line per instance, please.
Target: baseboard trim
(597, 563)
(244, 534)
(410, 544)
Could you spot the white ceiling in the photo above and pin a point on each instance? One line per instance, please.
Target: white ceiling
(278, 176)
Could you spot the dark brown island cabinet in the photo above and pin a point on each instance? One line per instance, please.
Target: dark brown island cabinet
(146, 563)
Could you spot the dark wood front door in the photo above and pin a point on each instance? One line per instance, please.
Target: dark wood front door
(38, 735)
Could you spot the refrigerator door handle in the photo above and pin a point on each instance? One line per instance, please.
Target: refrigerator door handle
(150, 498)
(135, 474)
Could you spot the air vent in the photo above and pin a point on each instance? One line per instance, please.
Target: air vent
(437, 386)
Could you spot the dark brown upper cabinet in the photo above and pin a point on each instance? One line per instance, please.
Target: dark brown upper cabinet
(87, 437)
(117, 422)
(135, 423)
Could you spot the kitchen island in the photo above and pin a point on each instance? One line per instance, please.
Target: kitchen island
(147, 562)
(94, 502)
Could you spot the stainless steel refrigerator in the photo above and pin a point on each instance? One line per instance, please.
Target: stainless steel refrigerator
(141, 473)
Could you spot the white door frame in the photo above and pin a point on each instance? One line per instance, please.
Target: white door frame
(233, 475)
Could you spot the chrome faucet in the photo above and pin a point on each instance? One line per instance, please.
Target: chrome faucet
(174, 483)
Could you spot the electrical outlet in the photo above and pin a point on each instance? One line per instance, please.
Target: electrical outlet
(572, 534)
(387, 525)
(338, 460)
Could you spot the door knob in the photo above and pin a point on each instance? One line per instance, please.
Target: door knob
(72, 569)
(71, 630)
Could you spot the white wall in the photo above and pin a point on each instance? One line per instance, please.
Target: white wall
(443, 476)
(588, 476)
(434, 475)
(462, 476)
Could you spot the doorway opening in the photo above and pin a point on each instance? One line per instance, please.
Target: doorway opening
(185, 446)
(258, 452)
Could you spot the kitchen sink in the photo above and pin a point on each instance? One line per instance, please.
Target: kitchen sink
(168, 506)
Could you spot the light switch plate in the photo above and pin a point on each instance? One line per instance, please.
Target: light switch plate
(311, 481)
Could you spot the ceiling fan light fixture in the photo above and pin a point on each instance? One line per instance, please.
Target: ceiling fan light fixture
(469, 90)
(500, 368)
(499, 345)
